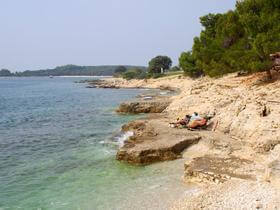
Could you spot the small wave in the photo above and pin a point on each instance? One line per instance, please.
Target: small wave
(148, 98)
(117, 139)
(123, 137)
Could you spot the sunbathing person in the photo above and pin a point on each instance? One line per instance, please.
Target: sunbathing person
(192, 122)
(183, 122)
(196, 121)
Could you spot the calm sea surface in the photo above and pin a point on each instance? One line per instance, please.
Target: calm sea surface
(57, 149)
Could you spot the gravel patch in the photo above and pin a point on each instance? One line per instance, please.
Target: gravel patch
(235, 194)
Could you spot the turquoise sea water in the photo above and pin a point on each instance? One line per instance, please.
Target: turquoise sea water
(57, 149)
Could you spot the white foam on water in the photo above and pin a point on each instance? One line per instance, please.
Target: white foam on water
(121, 139)
(148, 98)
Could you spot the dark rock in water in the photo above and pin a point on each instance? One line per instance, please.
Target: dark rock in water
(86, 81)
(90, 86)
(151, 106)
(163, 87)
(108, 86)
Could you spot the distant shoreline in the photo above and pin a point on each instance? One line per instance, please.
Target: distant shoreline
(70, 70)
(85, 76)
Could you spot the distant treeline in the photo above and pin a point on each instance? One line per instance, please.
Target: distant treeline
(69, 70)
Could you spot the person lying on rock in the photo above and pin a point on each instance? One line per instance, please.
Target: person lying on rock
(191, 122)
(196, 121)
(182, 122)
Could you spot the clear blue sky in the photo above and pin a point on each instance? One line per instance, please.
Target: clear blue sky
(39, 34)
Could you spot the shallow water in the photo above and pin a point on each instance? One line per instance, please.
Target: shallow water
(57, 150)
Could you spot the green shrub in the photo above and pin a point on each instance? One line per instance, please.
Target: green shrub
(134, 74)
(188, 63)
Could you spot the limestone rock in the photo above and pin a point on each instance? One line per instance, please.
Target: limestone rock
(155, 106)
(218, 169)
(154, 141)
(134, 126)
(142, 154)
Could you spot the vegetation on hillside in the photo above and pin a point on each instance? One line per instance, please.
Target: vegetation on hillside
(5, 73)
(71, 70)
(239, 40)
(132, 73)
(120, 70)
(135, 73)
(157, 67)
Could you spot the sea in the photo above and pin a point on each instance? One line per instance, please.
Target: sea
(58, 142)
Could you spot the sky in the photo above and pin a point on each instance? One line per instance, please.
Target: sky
(39, 34)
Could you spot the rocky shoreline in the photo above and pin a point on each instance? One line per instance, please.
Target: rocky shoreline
(244, 150)
(142, 106)
(153, 141)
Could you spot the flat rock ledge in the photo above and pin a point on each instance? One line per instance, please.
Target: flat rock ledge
(218, 169)
(135, 107)
(100, 84)
(154, 141)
